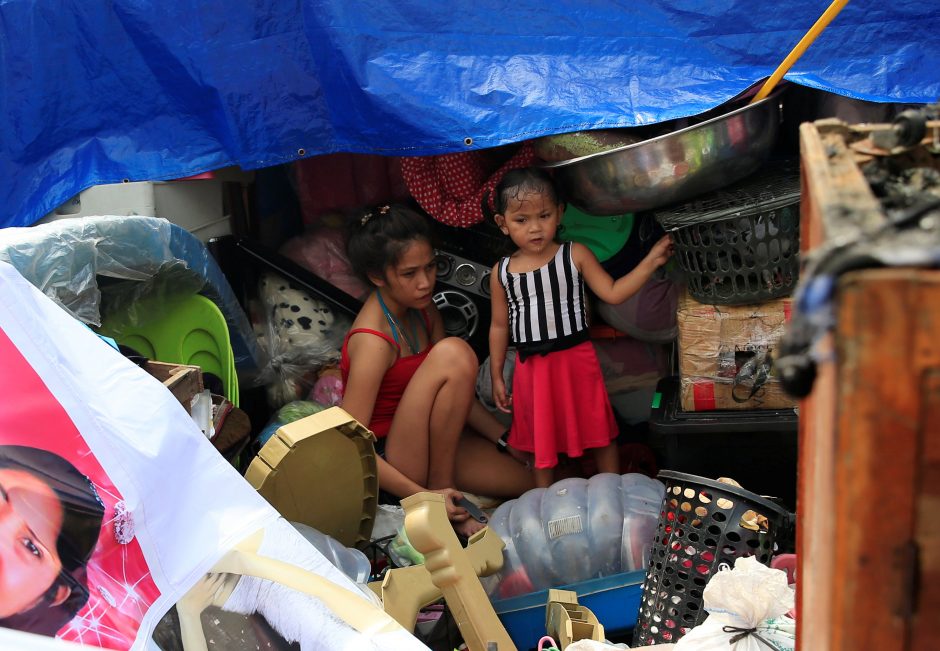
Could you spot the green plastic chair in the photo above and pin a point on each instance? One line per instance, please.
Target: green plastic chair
(186, 329)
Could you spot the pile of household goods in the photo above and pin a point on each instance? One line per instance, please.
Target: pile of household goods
(580, 561)
(739, 248)
(154, 289)
(145, 512)
(726, 414)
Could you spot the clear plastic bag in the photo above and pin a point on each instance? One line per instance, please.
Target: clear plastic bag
(92, 265)
(351, 562)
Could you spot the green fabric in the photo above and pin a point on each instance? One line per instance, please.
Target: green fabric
(605, 236)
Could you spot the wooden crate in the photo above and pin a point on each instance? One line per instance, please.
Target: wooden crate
(868, 536)
(183, 381)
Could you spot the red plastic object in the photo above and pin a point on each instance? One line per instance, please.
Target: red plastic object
(787, 563)
(198, 177)
(605, 332)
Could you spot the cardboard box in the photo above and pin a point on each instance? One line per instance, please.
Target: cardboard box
(704, 394)
(716, 342)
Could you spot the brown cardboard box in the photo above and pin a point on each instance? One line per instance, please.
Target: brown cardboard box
(715, 341)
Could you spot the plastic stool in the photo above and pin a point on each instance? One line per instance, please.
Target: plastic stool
(186, 329)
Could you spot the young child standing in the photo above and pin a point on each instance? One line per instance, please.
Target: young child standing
(559, 403)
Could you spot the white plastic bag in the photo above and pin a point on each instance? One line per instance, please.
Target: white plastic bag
(746, 609)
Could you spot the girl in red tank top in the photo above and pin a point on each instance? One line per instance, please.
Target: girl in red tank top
(396, 378)
(413, 385)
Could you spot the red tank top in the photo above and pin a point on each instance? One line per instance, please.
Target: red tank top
(394, 382)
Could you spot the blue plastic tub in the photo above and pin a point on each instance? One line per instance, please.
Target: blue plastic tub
(614, 599)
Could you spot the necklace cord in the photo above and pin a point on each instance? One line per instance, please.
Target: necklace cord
(396, 327)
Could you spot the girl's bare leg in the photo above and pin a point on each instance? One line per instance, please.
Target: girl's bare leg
(544, 477)
(484, 470)
(428, 423)
(607, 458)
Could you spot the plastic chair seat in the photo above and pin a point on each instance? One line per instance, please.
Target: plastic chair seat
(186, 329)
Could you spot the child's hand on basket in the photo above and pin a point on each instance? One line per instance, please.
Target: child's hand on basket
(661, 251)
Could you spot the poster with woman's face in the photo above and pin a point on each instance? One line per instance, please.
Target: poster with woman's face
(114, 506)
(70, 563)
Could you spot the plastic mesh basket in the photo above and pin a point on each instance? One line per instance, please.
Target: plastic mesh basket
(700, 531)
(741, 244)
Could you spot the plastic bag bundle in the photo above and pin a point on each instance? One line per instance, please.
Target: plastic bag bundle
(574, 530)
(95, 266)
(649, 315)
(746, 611)
(323, 251)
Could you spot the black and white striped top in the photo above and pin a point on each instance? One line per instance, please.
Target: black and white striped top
(546, 303)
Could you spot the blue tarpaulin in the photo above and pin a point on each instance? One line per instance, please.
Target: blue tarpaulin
(97, 91)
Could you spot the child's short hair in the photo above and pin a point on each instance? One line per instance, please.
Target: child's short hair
(379, 236)
(517, 182)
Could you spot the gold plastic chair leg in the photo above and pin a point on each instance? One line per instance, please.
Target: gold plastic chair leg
(431, 533)
(405, 591)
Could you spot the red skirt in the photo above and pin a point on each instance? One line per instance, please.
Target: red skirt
(560, 405)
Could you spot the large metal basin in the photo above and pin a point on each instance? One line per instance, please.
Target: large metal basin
(673, 167)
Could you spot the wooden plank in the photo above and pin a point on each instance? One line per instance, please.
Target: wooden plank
(182, 380)
(874, 505)
(816, 526)
(869, 473)
(814, 189)
(927, 532)
(869, 469)
(840, 199)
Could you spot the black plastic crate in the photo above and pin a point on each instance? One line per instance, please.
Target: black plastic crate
(757, 448)
(741, 244)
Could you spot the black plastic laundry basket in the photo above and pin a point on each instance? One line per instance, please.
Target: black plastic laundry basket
(741, 244)
(700, 531)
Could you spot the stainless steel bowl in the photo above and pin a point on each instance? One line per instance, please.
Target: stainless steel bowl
(673, 167)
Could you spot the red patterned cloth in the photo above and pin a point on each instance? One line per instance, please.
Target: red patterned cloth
(346, 182)
(451, 187)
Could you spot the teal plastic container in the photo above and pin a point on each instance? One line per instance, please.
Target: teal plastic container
(614, 599)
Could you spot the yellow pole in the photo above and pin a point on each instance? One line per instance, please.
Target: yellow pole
(800, 48)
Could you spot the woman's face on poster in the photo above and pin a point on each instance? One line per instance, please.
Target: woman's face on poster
(30, 521)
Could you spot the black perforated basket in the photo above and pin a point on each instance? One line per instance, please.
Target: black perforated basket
(700, 531)
(741, 244)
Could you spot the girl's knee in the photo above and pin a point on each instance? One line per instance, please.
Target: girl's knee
(455, 354)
